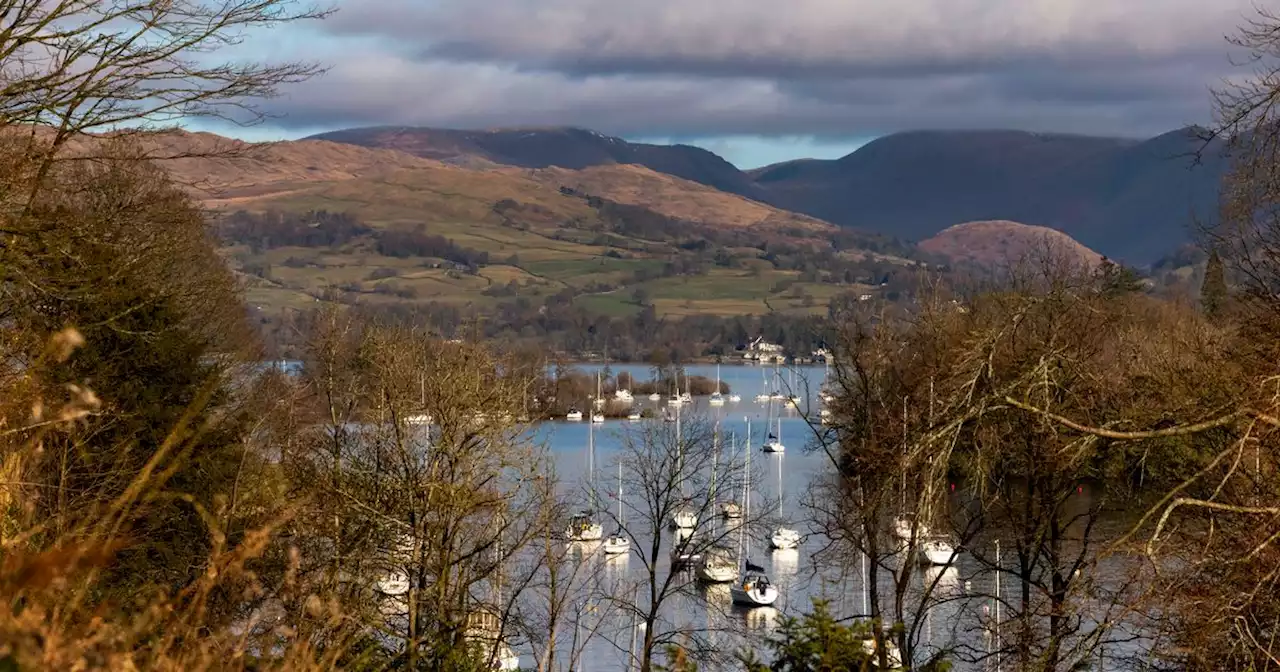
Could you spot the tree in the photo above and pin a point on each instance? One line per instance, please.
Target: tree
(1213, 291)
(126, 67)
(666, 470)
(816, 642)
(424, 510)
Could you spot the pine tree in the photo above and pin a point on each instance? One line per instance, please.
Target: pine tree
(1213, 292)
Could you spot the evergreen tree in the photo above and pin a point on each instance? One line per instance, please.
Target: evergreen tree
(1213, 292)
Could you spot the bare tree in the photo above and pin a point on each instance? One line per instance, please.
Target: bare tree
(665, 471)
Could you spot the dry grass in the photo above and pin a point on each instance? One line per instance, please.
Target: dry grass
(52, 582)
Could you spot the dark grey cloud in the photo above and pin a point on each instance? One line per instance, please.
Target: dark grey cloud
(837, 68)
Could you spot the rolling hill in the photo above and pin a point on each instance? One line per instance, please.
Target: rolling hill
(315, 220)
(995, 244)
(1132, 200)
(572, 148)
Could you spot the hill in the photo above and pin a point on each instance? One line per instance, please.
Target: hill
(571, 148)
(993, 244)
(314, 220)
(1129, 199)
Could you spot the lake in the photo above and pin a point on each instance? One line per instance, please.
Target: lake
(789, 475)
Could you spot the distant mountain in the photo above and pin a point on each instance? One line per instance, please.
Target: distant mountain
(1132, 200)
(994, 244)
(571, 148)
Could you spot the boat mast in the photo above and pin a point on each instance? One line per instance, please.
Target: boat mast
(591, 465)
(746, 496)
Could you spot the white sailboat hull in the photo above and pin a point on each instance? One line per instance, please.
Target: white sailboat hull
(591, 532)
(617, 545)
(937, 552)
(574, 416)
(774, 447)
(716, 401)
(714, 572)
(684, 520)
(753, 595)
(597, 418)
(784, 538)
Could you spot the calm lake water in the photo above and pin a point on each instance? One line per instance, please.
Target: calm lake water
(965, 589)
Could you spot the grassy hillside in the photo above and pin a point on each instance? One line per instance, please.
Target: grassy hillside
(609, 240)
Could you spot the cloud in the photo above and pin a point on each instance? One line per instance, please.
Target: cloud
(838, 68)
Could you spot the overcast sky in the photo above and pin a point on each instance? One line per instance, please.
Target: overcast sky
(760, 80)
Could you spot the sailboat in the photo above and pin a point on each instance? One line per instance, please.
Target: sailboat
(574, 415)
(676, 398)
(755, 589)
(730, 509)
(764, 388)
(718, 565)
(776, 395)
(716, 399)
(793, 400)
(422, 418)
(686, 397)
(683, 518)
(784, 538)
(773, 444)
(583, 526)
(597, 415)
(618, 542)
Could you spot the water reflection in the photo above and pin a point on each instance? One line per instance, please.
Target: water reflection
(759, 619)
(785, 563)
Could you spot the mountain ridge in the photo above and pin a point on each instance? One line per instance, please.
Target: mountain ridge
(1134, 200)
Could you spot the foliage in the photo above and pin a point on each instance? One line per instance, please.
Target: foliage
(815, 642)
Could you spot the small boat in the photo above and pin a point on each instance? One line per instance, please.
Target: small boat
(597, 418)
(716, 399)
(784, 538)
(583, 528)
(574, 415)
(618, 542)
(418, 419)
(937, 551)
(755, 589)
(684, 519)
(793, 401)
(774, 445)
(686, 398)
(735, 398)
(731, 511)
(634, 416)
(717, 566)
(655, 397)
(763, 397)
(624, 396)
